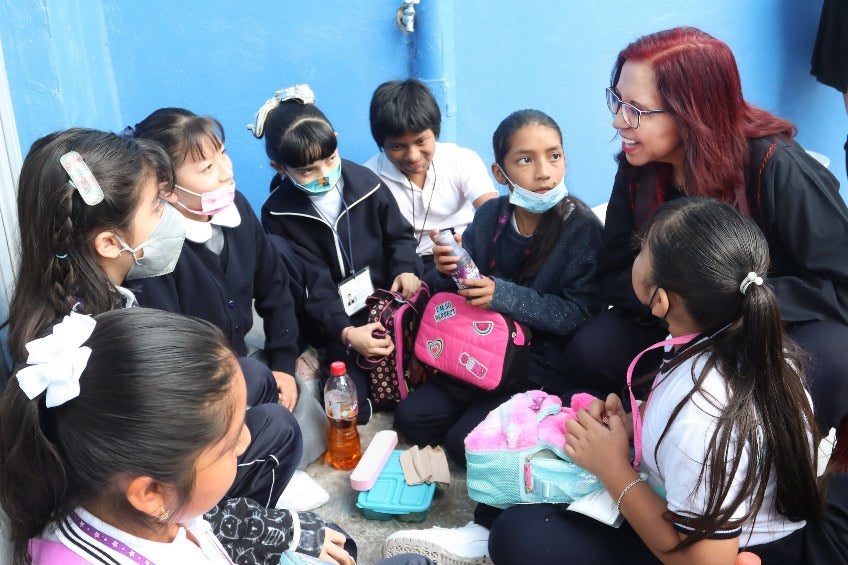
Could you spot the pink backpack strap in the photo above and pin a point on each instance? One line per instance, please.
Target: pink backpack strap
(45, 552)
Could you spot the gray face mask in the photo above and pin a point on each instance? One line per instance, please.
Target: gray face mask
(161, 250)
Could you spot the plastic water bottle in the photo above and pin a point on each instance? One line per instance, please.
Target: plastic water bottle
(465, 267)
(344, 449)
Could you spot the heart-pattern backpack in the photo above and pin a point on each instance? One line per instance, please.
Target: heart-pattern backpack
(393, 377)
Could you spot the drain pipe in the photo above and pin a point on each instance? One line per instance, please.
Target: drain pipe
(432, 53)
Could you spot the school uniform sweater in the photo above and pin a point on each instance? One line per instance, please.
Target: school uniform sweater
(369, 232)
(562, 296)
(222, 289)
(794, 200)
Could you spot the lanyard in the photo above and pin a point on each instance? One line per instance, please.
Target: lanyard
(117, 545)
(109, 541)
(348, 258)
(637, 416)
(502, 221)
(429, 202)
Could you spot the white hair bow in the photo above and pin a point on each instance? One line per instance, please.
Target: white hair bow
(56, 361)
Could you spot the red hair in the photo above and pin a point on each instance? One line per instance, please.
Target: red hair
(699, 85)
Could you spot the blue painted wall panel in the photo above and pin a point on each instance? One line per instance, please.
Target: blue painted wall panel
(225, 58)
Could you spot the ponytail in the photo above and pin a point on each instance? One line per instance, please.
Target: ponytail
(773, 362)
(33, 479)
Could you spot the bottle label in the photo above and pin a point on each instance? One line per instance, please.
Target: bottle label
(466, 270)
(342, 410)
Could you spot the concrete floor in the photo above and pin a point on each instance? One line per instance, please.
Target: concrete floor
(451, 506)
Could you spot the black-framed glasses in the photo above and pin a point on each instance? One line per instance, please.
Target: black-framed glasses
(631, 114)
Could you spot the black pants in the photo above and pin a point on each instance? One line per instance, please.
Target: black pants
(601, 351)
(435, 414)
(547, 533)
(826, 366)
(276, 445)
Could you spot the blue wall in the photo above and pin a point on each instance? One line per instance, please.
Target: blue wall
(106, 64)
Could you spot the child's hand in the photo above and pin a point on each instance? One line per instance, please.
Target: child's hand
(601, 450)
(444, 261)
(287, 387)
(362, 340)
(333, 549)
(601, 411)
(479, 292)
(407, 283)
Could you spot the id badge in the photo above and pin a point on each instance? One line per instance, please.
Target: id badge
(355, 289)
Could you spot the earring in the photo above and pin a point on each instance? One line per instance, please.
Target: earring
(163, 514)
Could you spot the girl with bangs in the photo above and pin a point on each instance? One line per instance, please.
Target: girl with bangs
(226, 264)
(344, 224)
(686, 130)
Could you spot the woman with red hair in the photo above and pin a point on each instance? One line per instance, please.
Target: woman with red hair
(686, 130)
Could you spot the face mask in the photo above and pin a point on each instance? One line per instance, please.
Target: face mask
(321, 185)
(161, 250)
(211, 202)
(536, 203)
(646, 308)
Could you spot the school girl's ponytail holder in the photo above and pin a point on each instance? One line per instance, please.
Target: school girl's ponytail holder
(128, 132)
(82, 178)
(299, 93)
(751, 278)
(56, 361)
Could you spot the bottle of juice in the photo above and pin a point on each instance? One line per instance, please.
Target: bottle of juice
(343, 448)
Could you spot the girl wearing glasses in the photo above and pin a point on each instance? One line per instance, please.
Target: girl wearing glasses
(686, 130)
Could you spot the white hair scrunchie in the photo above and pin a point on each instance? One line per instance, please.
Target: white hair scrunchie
(56, 361)
(751, 278)
(299, 92)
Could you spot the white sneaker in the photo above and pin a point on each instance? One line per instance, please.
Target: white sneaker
(468, 545)
(302, 494)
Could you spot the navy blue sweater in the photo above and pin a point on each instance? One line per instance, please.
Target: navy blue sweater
(380, 238)
(222, 289)
(563, 295)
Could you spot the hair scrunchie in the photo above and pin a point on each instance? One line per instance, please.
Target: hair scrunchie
(751, 278)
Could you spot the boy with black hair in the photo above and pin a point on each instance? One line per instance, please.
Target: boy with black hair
(436, 185)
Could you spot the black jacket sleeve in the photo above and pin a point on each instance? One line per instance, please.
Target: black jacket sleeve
(619, 250)
(273, 301)
(806, 223)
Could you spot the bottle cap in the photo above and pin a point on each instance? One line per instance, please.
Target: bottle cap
(337, 368)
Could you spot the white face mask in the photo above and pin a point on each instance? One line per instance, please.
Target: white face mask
(211, 202)
(161, 249)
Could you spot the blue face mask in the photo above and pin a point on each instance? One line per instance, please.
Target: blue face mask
(536, 203)
(321, 185)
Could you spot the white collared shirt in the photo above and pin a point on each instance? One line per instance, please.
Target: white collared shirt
(209, 233)
(129, 298)
(461, 177)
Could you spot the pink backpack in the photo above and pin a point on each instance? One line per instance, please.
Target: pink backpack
(480, 348)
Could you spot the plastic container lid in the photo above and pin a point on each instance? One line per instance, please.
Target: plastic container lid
(337, 368)
(390, 493)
